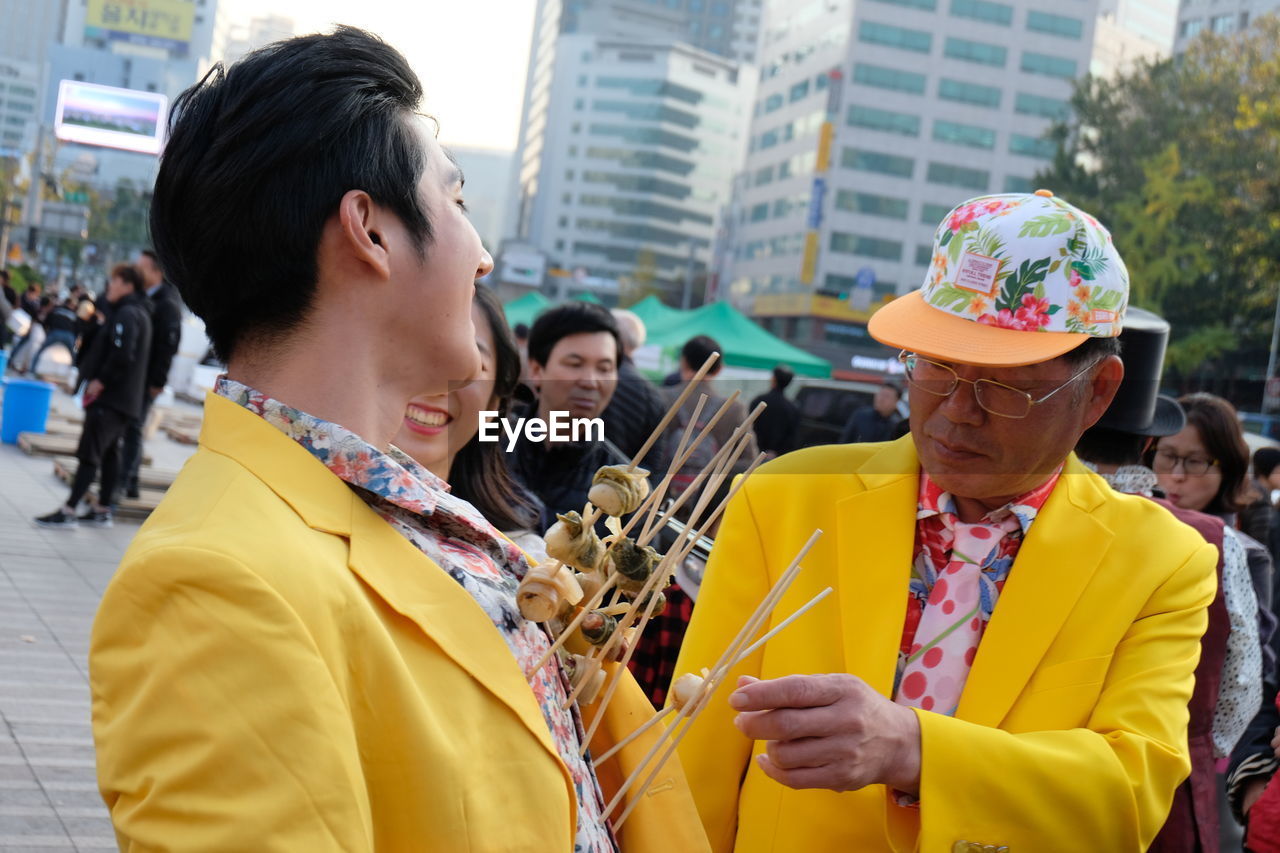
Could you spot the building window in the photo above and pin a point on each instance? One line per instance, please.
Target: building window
(969, 93)
(885, 120)
(963, 134)
(799, 90)
(568, 175)
(773, 102)
(976, 51)
(1190, 28)
(933, 214)
(759, 212)
(582, 80)
(872, 205)
(1056, 25)
(577, 104)
(983, 10)
(1038, 105)
(874, 161)
(763, 176)
(1221, 24)
(875, 33)
(1030, 146)
(563, 222)
(888, 78)
(951, 175)
(1050, 66)
(1014, 184)
(871, 247)
(926, 5)
(924, 254)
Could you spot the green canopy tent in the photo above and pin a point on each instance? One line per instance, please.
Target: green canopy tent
(656, 315)
(745, 343)
(525, 308)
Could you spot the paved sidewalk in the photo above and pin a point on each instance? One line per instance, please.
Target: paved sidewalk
(50, 585)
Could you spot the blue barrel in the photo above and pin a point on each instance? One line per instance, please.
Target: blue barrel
(4, 363)
(26, 408)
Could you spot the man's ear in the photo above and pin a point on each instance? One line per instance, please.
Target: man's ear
(360, 225)
(1103, 387)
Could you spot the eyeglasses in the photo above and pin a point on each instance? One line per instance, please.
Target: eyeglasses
(1166, 461)
(994, 397)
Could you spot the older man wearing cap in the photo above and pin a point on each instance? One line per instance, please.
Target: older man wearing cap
(1007, 666)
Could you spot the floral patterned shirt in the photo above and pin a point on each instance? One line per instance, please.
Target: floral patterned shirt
(935, 525)
(454, 535)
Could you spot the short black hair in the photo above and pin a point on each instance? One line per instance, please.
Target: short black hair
(258, 158)
(521, 331)
(1093, 350)
(889, 383)
(782, 376)
(697, 350)
(1265, 460)
(571, 318)
(129, 274)
(1104, 446)
(150, 253)
(5, 275)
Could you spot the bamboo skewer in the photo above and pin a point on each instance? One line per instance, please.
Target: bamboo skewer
(559, 641)
(709, 685)
(671, 412)
(650, 723)
(758, 644)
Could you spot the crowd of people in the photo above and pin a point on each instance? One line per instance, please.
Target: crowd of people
(1053, 625)
(121, 345)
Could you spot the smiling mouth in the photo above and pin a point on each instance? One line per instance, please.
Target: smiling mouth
(427, 417)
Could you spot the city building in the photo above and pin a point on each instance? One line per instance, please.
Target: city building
(873, 119)
(487, 173)
(634, 121)
(232, 39)
(19, 103)
(1220, 16)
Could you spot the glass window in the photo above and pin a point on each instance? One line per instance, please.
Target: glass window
(1056, 25)
(759, 212)
(1221, 24)
(976, 51)
(927, 5)
(873, 205)
(968, 93)
(715, 31)
(871, 247)
(958, 176)
(799, 90)
(933, 214)
(900, 37)
(983, 10)
(763, 176)
(1050, 66)
(1014, 184)
(874, 161)
(886, 120)
(888, 78)
(924, 254)
(720, 10)
(1038, 105)
(773, 102)
(1031, 146)
(963, 134)
(1190, 29)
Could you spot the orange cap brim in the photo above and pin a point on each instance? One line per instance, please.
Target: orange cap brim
(910, 323)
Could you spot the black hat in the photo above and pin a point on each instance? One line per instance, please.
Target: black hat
(1139, 408)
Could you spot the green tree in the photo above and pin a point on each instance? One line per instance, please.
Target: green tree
(1178, 157)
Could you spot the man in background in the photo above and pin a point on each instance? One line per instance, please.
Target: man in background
(776, 427)
(877, 422)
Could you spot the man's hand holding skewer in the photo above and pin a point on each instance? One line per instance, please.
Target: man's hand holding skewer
(829, 731)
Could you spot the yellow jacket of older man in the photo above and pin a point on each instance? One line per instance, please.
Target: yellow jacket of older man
(274, 668)
(1071, 731)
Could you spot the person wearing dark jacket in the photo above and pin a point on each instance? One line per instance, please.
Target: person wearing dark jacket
(636, 408)
(166, 333)
(776, 427)
(60, 326)
(115, 373)
(877, 422)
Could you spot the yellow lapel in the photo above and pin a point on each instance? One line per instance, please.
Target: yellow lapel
(875, 530)
(394, 568)
(1053, 566)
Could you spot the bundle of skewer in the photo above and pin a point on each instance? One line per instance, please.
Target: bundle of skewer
(568, 592)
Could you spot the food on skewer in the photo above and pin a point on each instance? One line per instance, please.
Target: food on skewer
(574, 543)
(686, 688)
(619, 489)
(598, 627)
(658, 608)
(547, 590)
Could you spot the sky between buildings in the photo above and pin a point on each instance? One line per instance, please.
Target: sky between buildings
(470, 54)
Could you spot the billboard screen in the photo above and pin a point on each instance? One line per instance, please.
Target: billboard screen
(156, 23)
(114, 118)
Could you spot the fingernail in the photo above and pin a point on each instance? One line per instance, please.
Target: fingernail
(737, 700)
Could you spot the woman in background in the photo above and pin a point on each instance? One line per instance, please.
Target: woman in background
(440, 432)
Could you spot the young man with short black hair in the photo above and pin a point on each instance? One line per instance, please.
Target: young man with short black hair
(114, 370)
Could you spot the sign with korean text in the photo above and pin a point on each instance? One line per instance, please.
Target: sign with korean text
(155, 23)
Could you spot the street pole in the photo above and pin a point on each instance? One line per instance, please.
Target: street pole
(1271, 358)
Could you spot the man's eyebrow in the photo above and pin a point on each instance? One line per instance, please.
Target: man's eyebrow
(455, 175)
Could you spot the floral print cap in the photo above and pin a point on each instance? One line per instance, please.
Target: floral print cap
(1014, 263)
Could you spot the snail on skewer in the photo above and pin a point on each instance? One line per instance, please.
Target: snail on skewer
(634, 563)
(546, 591)
(619, 489)
(573, 543)
(598, 627)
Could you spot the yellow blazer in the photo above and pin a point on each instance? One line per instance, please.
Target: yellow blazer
(274, 668)
(1071, 732)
